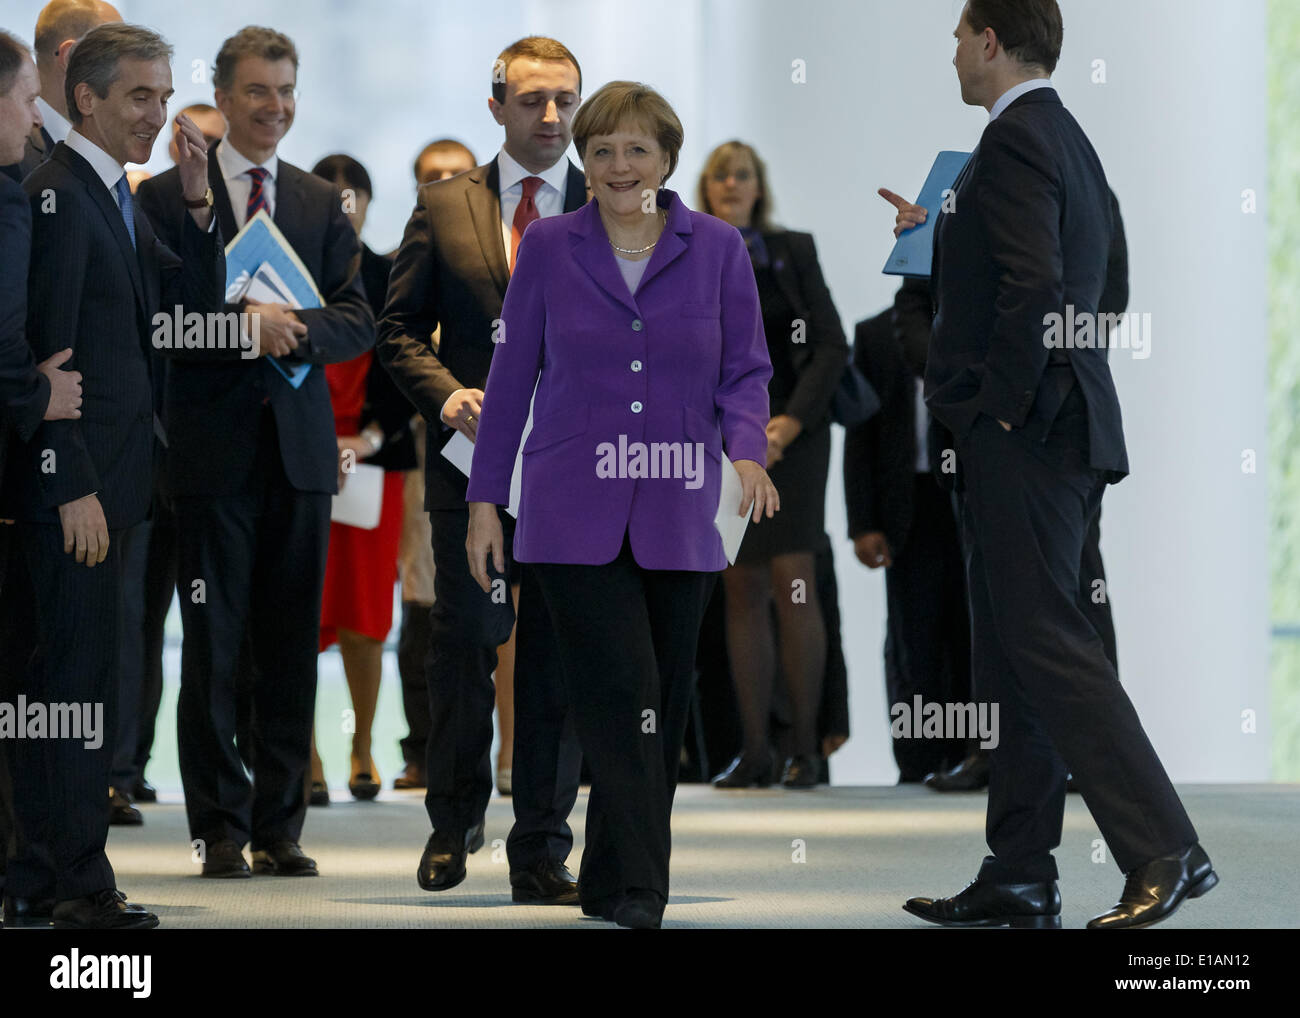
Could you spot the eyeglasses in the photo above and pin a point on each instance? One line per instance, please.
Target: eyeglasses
(260, 93)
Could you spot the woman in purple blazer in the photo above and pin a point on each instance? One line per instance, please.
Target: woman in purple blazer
(638, 322)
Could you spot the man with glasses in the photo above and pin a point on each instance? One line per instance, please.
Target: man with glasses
(252, 463)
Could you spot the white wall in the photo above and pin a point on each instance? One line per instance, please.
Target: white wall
(1179, 125)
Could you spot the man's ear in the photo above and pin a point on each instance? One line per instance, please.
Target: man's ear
(63, 53)
(497, 109)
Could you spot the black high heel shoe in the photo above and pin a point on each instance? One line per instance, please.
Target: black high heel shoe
(801, 772)
(746, 772)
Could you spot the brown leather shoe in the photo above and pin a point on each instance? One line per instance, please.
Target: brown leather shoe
(412, 776)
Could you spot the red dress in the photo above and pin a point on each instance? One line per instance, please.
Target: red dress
(361, 566)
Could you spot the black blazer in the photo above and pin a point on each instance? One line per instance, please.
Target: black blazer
(451, 270)
(87, 289)
(385, 405)
(24, 391)
(818, 361)
(213, 403)
(1029, 235)
(880, 453)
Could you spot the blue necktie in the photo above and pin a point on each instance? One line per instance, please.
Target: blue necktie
(127, 206)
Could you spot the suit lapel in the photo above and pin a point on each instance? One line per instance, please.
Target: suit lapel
(83, 171)
(220, 196)
(575, 190)
(484, 199)
(42, 142)
(670, 246)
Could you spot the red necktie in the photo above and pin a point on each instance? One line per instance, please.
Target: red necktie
(257, 196)
(524, 214)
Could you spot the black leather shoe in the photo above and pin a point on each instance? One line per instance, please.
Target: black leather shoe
(225, 859)
(28, 913)
(1154, 891)
(121, 812)
(442, 866)
(601, 908)
(412, 776)
(144, 792)
(746, 772)
(801, 772)
(983, 903)
(103, 910)
(970, 775)
(284, 859)
(547, 883)
(640, 910)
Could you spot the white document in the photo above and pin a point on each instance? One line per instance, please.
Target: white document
(460, 452)
(362, 498)
(728, 521)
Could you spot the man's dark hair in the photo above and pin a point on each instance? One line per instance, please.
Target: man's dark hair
(12, 55)
(539, 47)
(346, 172)
(253, 41)
(1029, 30)
(97, 57)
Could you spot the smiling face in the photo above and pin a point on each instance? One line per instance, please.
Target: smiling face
(18, 113)
(125, 123)
(259, 106)
(622, 166)
(541, 99)
(732, 189)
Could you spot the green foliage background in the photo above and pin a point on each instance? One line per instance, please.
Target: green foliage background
(1284, 383)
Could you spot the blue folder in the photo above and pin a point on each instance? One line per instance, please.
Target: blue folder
(914, 247)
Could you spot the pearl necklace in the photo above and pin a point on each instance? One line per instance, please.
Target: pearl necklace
(663, 219)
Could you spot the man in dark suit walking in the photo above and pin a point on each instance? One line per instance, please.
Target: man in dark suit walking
(1036, 424)
(29, 394)
(100, 280)
(452, 270)
(252, 463)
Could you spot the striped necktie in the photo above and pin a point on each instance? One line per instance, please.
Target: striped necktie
(257, 196)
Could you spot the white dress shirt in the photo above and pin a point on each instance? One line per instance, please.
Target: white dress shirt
(108, 169)
(1014, 93)
(56, 124)
(549, 198)
(239, 184)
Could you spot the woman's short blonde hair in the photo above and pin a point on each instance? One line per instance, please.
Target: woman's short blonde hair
(721, 158)
(622, 103)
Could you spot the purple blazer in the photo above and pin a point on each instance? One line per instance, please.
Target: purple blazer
(636, 396)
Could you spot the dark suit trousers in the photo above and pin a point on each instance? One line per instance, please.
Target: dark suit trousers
(159, 588)
(1090, 570)
(466, 627)
(261, 555)
(627, 639)
(131, 677)
(1025, 512)
(60, 786)
(412, 653)
(927, 641)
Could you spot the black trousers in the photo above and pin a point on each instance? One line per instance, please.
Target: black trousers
(159, 588)
(1025, 509)
(131, 673)
(927, 631)
(412, 652)
(261, 557)
(627, 639)
(61, 804)
(466, 627)
(1094, 602)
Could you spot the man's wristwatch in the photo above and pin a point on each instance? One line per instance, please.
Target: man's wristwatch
(206, 202)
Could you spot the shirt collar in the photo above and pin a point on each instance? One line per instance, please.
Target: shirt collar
(55, 122)
(1014, 93)
(108, 169)
(234, 164)
(511, 173)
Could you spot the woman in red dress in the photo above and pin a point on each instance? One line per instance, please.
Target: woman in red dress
(372, 423)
